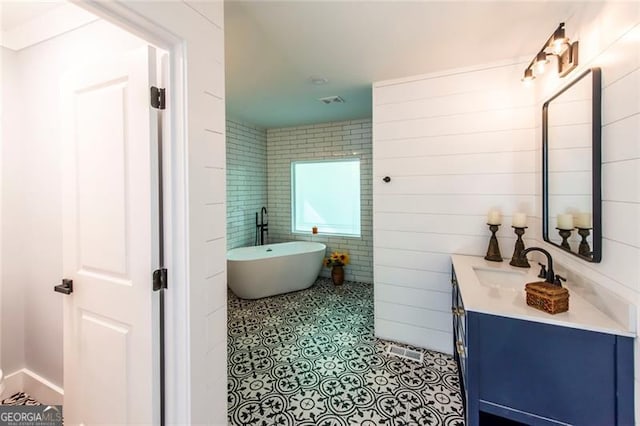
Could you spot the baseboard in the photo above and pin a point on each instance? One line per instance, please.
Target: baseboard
(38, 387)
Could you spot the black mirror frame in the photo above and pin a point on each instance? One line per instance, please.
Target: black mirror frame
(596, 149)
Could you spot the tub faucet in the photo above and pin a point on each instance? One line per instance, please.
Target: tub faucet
(550, 275)
(265, 227)
(262, 227)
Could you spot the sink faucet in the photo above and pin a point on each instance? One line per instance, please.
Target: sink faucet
(550, 278)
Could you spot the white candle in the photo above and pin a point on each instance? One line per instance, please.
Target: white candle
(494, 217)
(565, 221)
(519, 220)
(583, 220)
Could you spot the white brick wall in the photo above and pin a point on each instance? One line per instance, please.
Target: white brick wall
(321, 142)
(246, 181)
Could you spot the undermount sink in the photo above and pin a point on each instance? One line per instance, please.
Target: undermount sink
(501, 279)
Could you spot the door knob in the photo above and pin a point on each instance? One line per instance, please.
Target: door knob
(386, 179)
(65, 288)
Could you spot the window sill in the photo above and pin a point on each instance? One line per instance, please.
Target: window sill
(323, 234)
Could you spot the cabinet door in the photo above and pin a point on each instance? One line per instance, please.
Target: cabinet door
(455, 302)
(557, 373)
(459, 335)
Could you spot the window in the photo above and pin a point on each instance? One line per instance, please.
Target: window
(326, 194)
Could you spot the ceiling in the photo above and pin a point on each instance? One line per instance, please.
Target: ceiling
(272, 48)
(24, 23)
(16, 13)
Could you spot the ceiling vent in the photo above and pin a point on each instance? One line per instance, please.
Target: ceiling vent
(332, 100)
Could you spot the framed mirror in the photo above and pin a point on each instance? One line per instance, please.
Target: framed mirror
(571, 166)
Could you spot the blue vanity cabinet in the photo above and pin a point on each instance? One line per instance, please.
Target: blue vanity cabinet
(542, 374)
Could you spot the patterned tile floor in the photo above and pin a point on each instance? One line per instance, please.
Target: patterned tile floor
(19, 398)
(310, 358)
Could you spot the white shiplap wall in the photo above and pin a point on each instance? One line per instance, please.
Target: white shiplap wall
(455, 145)
(609, 35)
(468, 119)
(200, 25)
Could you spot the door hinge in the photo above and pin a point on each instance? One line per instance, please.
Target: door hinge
(157, 97)
(159, 279)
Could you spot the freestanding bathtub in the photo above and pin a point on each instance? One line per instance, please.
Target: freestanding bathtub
(262, 271)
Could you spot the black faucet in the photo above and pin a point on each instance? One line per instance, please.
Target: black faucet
(550, 276)
(262, 226)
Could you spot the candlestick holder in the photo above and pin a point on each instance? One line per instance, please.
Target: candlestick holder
(565, 234)
(493, 251)
(517, 259)
(584, 249)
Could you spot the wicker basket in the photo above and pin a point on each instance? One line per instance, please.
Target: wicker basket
(547, 297)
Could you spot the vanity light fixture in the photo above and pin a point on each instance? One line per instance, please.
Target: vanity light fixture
(528, 76)
(557, 45)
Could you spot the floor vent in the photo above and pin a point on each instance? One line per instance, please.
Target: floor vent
(405, 353)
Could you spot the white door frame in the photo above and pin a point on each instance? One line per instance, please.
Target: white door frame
(177, 343)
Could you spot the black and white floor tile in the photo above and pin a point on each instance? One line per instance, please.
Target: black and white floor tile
(19, 398)
(311, 358)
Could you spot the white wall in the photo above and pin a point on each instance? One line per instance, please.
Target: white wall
(455, 145)
(2, 102)
(32, 222)
(609, 36)
(259, 168)
(322, 141)
(11, 294)
(246, 181)
(464, 141)
(200, 25)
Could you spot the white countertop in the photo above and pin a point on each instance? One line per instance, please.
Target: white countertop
(512, 303)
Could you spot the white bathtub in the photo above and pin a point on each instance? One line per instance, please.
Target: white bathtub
(262, 271)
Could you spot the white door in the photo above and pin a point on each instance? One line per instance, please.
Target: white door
(110, 242)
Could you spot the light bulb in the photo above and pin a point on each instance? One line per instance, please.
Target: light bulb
(528, 77)
(559, 42)
(559, 46)
(541, 61)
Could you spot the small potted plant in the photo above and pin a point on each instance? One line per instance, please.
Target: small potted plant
(336, 262)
